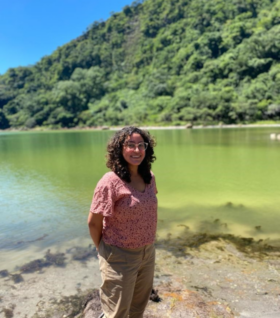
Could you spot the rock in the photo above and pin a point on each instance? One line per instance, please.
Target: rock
(185, 303)
(175, 303)
(92, 306)
(154, 296)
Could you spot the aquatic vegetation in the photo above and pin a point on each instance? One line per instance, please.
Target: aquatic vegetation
(83, 253)
(34, 266)
(185, 226)
(188, 240)
(17, 278)
(169, 235)
(229, 204)
(32, 241)
(4, 273)
(232, 205)
(38, 239)
(57, 259)
(218, 222)
(215, 226)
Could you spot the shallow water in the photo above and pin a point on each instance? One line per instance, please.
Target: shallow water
(48, 178)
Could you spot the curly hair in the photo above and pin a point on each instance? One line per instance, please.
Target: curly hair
(116, 161)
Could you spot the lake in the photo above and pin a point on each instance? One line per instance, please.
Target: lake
(209, 180)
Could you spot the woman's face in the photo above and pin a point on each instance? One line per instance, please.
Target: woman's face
(131, 152)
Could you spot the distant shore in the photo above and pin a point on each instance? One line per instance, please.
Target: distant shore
(188, 126)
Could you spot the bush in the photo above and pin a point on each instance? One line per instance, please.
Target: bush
(30, 123)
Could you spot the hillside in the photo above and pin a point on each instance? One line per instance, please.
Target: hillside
(156, 62)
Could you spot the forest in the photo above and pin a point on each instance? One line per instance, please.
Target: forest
(158, 62)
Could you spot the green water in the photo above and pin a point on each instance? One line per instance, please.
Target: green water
(48, 178)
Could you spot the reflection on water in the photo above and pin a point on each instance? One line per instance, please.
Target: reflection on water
(47, 181)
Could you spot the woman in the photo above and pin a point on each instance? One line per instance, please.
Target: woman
(122, 223)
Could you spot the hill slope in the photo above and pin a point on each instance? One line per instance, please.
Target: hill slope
(160, 61)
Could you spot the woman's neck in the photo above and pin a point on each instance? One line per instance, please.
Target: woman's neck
(133, 171)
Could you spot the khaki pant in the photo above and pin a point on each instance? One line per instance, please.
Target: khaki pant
(127, 279)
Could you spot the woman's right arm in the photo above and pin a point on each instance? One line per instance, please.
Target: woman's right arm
(95, 224)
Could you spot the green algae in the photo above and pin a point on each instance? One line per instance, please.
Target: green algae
(17, 278)
(56, 259)
(82, 253)
(188, 240)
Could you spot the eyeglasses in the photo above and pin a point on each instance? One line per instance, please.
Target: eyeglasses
(142, 146)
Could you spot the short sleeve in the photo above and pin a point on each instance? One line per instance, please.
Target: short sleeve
(103, 198)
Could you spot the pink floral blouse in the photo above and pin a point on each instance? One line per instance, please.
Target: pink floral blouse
(130, 216)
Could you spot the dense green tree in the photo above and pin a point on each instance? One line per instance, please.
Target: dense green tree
(157, 61)
(4, 123)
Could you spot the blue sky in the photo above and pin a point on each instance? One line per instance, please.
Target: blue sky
(31, 29)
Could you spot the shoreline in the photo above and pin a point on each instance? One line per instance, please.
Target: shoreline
(196, 274)
(114, 128)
